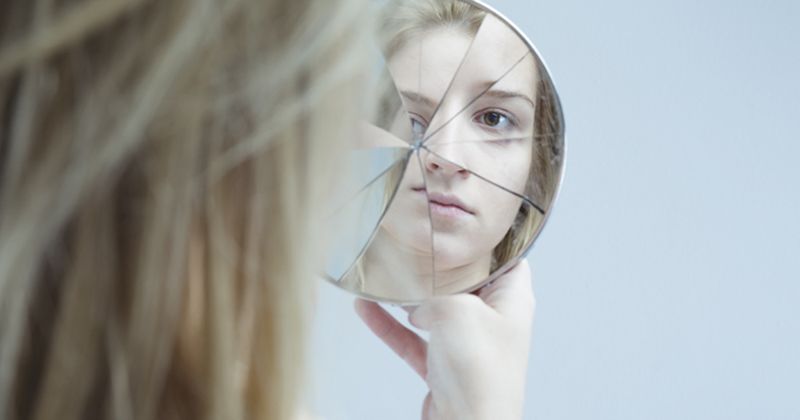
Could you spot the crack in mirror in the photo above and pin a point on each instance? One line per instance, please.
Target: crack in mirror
(461, 155)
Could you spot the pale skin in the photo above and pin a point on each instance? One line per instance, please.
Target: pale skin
(475, 360)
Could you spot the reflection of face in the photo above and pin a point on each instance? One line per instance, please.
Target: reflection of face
(469, 215)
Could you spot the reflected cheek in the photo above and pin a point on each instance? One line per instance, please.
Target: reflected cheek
(497, 214)
(517, 174)
(407, 216)
(509, 167)
(412, 175)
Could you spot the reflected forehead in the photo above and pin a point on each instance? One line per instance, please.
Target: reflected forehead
(521, 78)
(428, 61)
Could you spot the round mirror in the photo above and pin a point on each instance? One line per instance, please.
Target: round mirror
(457, 161)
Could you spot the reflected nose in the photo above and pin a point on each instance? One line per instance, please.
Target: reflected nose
(436, 163)
(442, 153)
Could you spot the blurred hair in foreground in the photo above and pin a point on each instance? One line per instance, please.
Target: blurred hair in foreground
(158, 161)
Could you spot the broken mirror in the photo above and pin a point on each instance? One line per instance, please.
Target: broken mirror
(457, 160)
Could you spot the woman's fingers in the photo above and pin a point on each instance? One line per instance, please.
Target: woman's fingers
(427, 407)
(511, 293)
(445, 309)
(407, 344)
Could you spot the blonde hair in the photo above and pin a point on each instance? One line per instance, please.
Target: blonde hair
(403, 20)
(157, 166)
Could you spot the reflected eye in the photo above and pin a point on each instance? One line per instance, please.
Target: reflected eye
(417, 129)
(494, 119)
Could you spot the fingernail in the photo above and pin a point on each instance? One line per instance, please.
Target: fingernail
(359, 305)
(412, 318)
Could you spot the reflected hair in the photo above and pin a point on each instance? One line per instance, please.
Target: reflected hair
(157, 165)
(405, 19)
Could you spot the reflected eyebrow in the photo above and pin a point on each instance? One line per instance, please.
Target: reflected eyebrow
(418, 98)
(492, 93)
(507, 94)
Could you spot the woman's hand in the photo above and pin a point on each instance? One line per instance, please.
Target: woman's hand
(475, 361)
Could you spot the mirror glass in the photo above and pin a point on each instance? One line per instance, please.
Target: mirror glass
(458, 157)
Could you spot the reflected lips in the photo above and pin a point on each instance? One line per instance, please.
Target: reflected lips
(447, 205)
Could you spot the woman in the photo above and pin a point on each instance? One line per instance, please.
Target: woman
(474, 360)
(157, 164)
(471, 201)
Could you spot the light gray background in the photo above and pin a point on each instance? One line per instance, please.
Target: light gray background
(668, 277)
